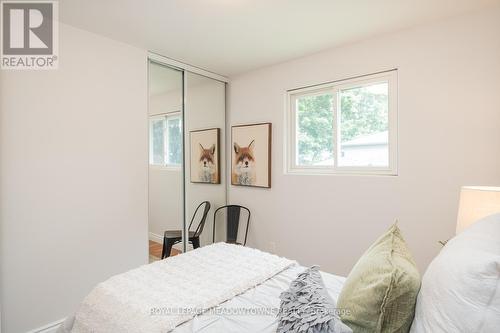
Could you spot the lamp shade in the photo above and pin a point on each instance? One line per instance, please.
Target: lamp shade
(476, 202)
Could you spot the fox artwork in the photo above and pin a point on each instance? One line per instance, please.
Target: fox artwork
(208, 170)
(205, 156)
(251, 155)
(244, 165)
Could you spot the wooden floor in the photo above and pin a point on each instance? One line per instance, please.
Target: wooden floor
(155, 250)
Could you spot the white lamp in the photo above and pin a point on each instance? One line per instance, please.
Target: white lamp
(476, 202)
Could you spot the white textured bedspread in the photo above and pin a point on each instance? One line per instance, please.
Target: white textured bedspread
(155, 297)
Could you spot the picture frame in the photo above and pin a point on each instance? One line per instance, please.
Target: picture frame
(205, 156)
(251, 155)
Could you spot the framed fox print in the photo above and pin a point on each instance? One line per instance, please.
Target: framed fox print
(204, 159)
(251, 155)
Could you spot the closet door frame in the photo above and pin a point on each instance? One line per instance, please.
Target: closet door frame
(183, 68)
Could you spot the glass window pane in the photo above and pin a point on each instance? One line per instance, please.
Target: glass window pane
(364, 126)
(157, 142)
(174, 140)
(315, 130)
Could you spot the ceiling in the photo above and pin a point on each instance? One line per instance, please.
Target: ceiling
(229, 37)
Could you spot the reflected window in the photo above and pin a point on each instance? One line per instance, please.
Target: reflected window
(165, 140)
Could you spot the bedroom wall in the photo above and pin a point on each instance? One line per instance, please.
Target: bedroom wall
(449, 135)
(73, 177)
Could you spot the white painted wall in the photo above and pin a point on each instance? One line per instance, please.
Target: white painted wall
(449, 135)
(167, 102)
(165, 201)
(73, 177)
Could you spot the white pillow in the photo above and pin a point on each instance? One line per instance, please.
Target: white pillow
(460, 290)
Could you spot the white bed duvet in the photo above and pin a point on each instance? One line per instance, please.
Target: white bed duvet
(217, 288)
(263, 297)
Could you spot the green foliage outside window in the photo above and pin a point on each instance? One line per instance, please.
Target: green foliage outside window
(315, 128)
(363, 111)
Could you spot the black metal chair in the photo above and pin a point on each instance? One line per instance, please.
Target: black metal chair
(233, 219)
(171, 237)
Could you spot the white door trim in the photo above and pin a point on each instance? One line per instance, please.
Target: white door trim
(49, 328)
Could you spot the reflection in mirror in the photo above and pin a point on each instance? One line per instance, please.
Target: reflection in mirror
(205, 129)
(165, 161)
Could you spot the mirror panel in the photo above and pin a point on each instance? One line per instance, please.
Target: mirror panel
(205, 137)
(166, 194)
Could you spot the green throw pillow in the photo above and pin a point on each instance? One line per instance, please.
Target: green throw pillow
(379, 294)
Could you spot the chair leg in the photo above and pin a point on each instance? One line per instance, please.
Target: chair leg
(196, 242)
(167, 247)
(163, 248)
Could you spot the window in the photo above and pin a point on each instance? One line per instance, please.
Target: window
(165, 140)
(347, 126)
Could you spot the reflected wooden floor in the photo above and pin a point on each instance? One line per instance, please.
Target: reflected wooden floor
(155, 251)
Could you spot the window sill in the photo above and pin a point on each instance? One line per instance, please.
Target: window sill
(337, 172)
(165, 167)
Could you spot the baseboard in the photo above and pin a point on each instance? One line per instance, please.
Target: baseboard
(156, 238)
(49, 328)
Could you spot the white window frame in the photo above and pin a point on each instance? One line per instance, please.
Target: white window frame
(166, 117)
(290, 149)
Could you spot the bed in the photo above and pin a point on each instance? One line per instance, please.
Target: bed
(263, 297)
(239, 306)
(231, 288)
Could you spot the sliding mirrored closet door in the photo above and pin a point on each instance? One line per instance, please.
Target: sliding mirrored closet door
(166, 165)
(205, 155)
(187, 160)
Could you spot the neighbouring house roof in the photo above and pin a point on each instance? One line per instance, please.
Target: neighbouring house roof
(370, 140)
(376, 139)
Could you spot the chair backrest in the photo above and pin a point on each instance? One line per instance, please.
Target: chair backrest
(233, 219)
(201, 223)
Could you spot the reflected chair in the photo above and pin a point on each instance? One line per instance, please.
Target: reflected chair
(235, 216)
(171, 237)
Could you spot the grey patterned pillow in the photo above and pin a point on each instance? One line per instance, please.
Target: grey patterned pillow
(306, 307)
